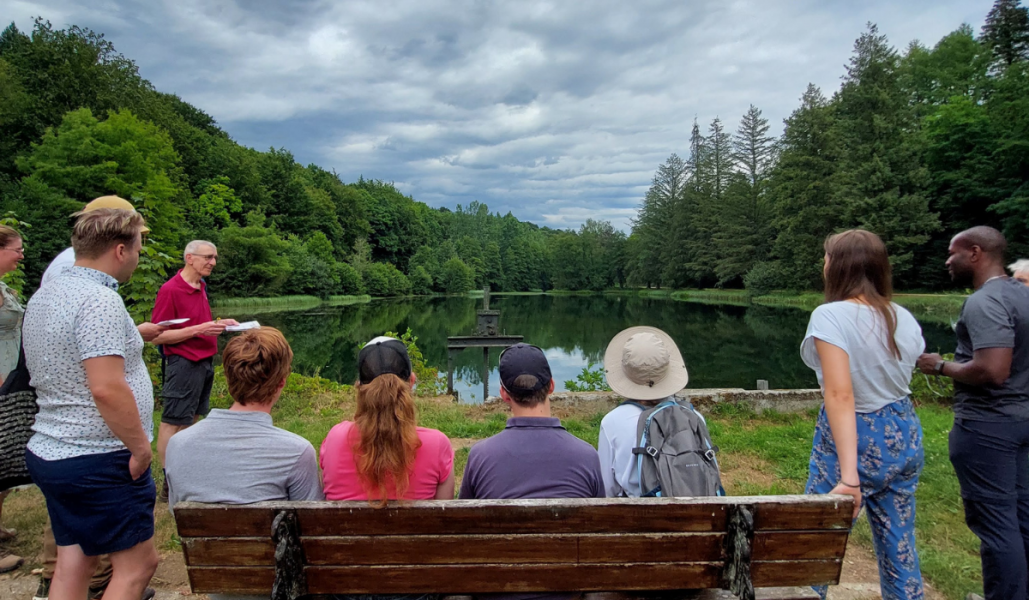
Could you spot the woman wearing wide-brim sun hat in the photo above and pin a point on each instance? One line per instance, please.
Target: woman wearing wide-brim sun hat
(644, 365)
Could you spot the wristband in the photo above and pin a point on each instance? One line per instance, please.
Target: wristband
(845, 484)
(938, 369)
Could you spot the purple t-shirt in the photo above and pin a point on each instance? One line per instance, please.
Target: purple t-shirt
(534, 457)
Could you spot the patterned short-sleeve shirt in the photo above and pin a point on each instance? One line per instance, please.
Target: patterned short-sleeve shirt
(80, 316)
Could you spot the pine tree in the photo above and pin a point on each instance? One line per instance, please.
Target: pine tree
(696, 219)
(882, 179)
(753, 148)
(697, 162)
(684, 219)
(719, 159)
(743, 233)
(1006, 31)
(803, 191)
(654, 222)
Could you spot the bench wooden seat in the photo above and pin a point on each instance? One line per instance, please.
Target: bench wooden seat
(479, 546)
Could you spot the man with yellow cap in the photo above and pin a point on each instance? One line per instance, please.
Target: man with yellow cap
(67, 258)
(102, 576)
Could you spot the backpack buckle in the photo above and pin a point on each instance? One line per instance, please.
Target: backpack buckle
(710, 455)
(652, 451)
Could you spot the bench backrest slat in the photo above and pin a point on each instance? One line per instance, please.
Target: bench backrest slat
(470, 517)
(563, 548)
(515, 546)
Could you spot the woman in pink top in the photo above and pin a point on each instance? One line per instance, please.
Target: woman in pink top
(382, 454)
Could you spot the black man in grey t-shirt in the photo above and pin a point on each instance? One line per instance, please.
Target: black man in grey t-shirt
(989, 443)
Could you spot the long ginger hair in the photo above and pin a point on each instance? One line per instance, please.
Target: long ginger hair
(859, 266)
(387, 422)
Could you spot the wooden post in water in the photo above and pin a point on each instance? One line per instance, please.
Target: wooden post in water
(485, 367)
(450, 373)
(486, 336)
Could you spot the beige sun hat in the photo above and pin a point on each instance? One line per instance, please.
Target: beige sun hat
(643, 363)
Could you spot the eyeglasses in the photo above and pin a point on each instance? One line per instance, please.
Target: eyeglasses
(206, 257)
(20, 250)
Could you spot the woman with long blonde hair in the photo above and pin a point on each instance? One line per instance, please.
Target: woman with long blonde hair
(382, 454)
(868, 440)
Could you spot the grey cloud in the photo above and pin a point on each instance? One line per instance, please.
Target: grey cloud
(520, 95)
(555, 111)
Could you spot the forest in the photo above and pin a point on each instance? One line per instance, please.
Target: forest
(77, 121)
(914, 145)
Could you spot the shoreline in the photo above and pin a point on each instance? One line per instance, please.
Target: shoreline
(937, 308)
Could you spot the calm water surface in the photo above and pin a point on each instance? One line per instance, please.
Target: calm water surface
(724, 346)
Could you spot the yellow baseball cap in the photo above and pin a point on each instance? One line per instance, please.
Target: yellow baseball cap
(112, 202)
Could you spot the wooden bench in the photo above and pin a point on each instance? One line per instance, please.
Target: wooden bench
(616, 545)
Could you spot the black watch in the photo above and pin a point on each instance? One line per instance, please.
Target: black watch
(938, 369)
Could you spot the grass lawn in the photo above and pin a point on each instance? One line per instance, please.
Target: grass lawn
(760, 454)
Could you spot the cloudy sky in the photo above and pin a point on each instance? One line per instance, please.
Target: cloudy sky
(558, 111)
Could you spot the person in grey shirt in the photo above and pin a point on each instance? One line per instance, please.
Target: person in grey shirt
(237, 456)
(989, 443)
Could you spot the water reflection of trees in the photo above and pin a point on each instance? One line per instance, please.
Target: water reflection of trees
(724, 346)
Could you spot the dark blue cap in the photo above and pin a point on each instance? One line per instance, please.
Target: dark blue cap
(524, 359)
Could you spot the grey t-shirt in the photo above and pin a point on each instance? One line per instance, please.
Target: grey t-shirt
(995, 316)
(239, 457)
(878, 377)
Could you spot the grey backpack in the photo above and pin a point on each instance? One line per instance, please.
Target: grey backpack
(674, 454)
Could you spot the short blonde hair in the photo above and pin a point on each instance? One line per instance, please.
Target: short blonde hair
(255, 363)
(97, 231)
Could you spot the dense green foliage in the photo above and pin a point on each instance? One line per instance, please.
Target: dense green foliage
(914, 146)
(77, 121)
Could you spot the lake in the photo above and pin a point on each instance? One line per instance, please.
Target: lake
(723, 345)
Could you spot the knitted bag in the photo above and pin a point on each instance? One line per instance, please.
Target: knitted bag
(17, 414)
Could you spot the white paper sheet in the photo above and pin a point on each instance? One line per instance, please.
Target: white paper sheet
(244, 326)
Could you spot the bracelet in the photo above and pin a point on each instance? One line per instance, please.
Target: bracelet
(844, 483)
(938, 369)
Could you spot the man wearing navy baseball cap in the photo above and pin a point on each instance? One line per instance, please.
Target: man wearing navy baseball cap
(534, 457)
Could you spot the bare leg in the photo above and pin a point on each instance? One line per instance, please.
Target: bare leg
(101, 576)
(164, 435)
(133, 569)
(71, 577)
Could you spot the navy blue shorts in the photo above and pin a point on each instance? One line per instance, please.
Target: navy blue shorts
(93, 501)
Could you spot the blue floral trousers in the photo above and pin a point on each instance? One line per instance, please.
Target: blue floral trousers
(890, 459)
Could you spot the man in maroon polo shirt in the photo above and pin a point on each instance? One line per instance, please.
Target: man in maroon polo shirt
(188, 347)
